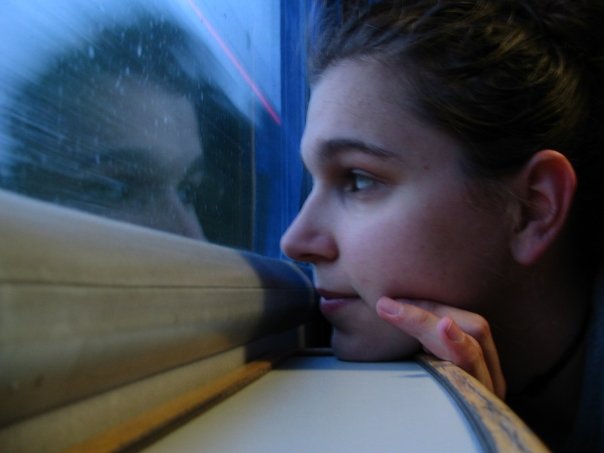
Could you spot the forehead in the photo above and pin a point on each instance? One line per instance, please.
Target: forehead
(363, 101)
(357, 88)
(146, 119)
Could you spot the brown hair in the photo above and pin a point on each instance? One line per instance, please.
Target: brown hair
(506, 78)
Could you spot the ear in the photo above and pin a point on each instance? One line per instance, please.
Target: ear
(546, 188)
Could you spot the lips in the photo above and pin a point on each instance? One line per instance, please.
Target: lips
(332, 302)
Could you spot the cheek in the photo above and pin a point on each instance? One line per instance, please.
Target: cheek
(428, 255)
(383, 252)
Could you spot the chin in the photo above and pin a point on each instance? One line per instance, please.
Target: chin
(351, 348)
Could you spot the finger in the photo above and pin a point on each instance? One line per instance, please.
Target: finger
(465, 352)
(441, 336)
(419, 323)
(476, 326)
(415, 321)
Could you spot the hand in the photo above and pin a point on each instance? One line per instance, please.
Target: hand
(450, 333)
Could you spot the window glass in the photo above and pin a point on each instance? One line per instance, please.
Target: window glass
(162, 113)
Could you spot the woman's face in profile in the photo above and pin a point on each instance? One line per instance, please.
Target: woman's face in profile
(390, 213)
(147, 164)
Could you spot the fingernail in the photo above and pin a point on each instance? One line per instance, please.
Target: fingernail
(389, 307)
(453, 332)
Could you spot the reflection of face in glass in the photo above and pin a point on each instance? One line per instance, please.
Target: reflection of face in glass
(112, 129)
(132, 125)
(146, 155)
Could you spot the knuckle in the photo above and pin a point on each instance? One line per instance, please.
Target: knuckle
(470, 359)
(428, 305)
(481, 330)
(416, 322)
(469, 351)
(420, 317)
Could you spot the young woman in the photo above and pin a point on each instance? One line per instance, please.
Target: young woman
(455, 148)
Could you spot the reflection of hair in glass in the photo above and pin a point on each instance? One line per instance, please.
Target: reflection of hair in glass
(505, 78)
(57, 125)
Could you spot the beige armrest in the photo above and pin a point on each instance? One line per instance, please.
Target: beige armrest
(89, 305)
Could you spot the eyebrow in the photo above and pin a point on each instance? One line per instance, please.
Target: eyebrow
(332, 147)
(141, 156)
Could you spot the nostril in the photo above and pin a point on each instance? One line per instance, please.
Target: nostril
(314, 249)
(295, 253)
(308, 258)
(294, 247)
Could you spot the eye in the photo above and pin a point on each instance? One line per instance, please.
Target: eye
(359, 181)
(188, 192)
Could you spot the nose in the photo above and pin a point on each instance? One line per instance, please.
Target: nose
(309, 238)
(184, 220)
(189, 225)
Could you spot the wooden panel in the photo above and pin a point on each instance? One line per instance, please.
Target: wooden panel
(498, 427)
(140, 431)
(151, 404)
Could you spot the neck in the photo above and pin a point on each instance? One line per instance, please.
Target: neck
(551, 411)
(540, 340)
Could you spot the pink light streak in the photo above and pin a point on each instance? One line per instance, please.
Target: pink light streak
(236, 63)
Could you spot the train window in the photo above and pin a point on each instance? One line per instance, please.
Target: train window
(167, 114)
